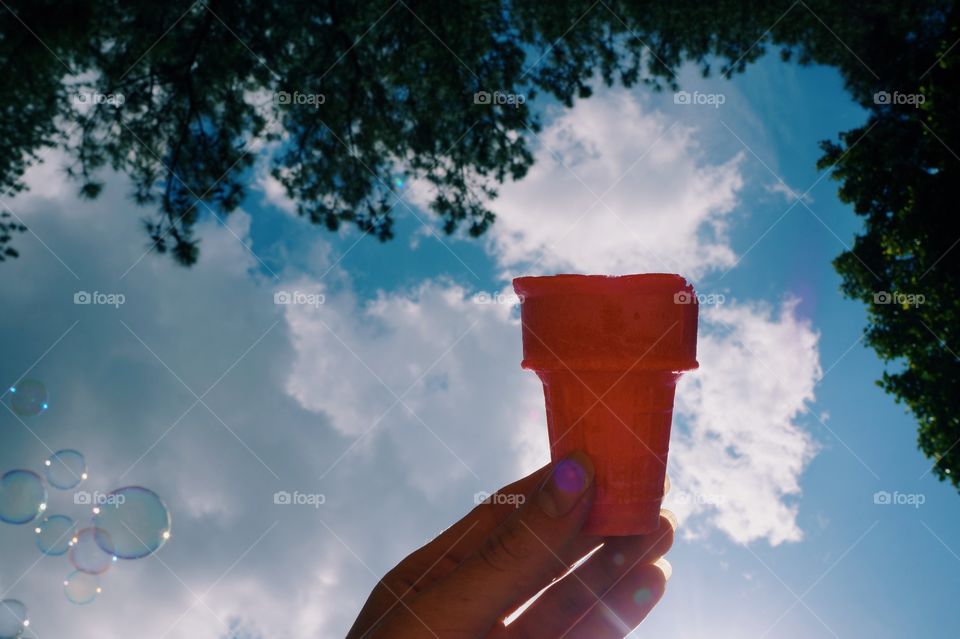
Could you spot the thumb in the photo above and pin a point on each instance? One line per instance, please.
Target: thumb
(522, 555)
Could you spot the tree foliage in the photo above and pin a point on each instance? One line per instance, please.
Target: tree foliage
(182, 97)
(901, 172)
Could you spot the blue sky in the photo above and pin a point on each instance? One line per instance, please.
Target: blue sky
(400, 397)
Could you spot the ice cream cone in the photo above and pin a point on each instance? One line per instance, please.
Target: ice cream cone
(609, 351)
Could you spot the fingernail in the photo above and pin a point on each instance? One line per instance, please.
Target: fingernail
(568, 481)
(664, 567)
(670, 517)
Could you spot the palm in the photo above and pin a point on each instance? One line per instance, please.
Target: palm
(605, 596)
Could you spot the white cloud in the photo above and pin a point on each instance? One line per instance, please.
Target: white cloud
(470, 418)
(618, 188)
(739, 451)
(435, 371)
(273, 191)
(131, 415)
(788, 193)
(670, 213)
(739, 459)
(665, 207)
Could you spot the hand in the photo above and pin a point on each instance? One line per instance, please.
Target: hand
(465, 582)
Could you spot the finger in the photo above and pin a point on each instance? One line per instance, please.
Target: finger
(444, 553)
(568, 600)
(520, 556)
(623, 607)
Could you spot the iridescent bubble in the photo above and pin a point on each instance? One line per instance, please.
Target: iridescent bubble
(13, 619)
(65, 469)
(22, 496)
(86, 555)
(28, 397)
(54, 534)
(81, 587)
(135, 520)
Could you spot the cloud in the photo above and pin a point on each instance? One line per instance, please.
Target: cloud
(788, 193)
(666, 207)
(397, 407)
(435, 374)
(618, 188)
(124, 384)
(435, 371)
(428, 366)
(739, 458)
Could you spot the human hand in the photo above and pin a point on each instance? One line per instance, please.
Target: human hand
(465, 582)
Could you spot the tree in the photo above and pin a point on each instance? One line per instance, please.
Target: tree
(356, 98)
(900, 172)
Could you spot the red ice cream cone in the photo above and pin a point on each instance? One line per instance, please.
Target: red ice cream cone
(609, 351)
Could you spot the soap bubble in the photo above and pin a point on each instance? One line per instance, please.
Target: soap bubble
(28, 397)
(65, 469)
(135, 522)
(86, 555)
(22, 496)
(13, 619)
(81, 587)
(54, 534)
